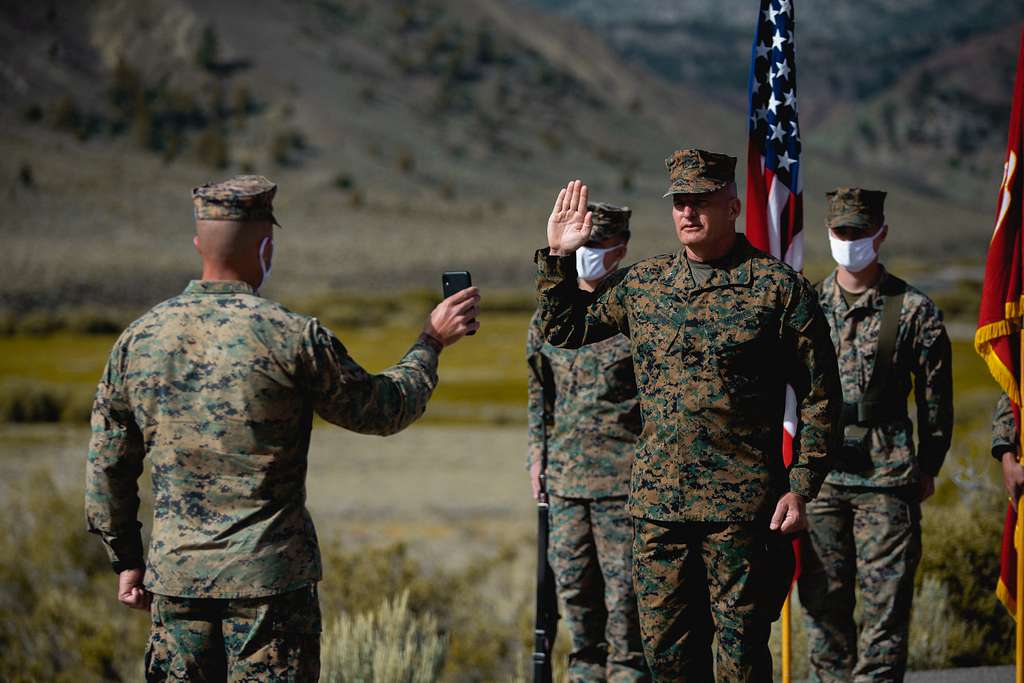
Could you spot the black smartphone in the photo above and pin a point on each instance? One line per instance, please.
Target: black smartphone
(456, 281)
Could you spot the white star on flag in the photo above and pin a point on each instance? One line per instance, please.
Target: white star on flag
(785, 161)
(781, 70)
(778, 41)
(790, 99)
(785, 6)
(777, 132)
(773, 104)
(763, 51)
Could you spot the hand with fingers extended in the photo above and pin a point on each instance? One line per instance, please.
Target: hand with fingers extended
(570, 223)
(454, 317)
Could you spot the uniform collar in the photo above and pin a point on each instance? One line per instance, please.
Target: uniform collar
(218, 287)
(870, 299)
(737, 269)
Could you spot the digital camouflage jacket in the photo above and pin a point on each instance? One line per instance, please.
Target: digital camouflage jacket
(712, 362)
(596, 415)
(922, 355)
(217, 387)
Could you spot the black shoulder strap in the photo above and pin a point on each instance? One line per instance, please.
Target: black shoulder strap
(892, 299)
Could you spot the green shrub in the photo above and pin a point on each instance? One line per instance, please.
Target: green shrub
(25, 401)
(961, 552)
(59, 615)
(388, 645)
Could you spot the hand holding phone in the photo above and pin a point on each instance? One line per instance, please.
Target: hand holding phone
(456, 315)
(455, 281)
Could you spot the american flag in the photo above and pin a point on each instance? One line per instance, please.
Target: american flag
(775, 216)
(774, 181)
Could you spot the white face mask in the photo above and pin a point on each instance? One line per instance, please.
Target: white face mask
(854, 255)
(265, 264)
(590, 262)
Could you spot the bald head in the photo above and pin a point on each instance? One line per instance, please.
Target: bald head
(230, 249)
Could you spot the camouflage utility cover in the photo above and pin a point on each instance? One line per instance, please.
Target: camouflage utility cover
(596, 415)
(1004, 428)
(922, 355)
(609, 221)
(242, 198)
(695, 171)
(712, 362)
(217, 387)
(854, 207)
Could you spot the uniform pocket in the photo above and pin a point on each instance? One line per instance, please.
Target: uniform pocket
(297, 611)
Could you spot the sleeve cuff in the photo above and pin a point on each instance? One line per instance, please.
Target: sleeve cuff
(125, 551)
(433, 343)
(804, 482)
(998, 448)
(555, 267)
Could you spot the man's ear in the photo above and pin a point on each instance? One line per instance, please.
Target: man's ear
(735, 206)
(195, 243)
(881, 236)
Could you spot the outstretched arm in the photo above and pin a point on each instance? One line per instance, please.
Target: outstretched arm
(347, 395)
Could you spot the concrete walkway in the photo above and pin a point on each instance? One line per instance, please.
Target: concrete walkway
(983, 674)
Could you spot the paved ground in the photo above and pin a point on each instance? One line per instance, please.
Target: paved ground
(984, 674)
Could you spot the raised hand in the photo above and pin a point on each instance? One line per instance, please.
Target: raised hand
(570, 222)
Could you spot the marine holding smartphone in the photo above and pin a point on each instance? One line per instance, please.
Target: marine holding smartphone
(217, 387)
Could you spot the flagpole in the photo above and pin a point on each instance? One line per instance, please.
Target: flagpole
(787, 640)
(1018, 543)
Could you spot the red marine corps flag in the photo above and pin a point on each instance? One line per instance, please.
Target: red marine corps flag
(998, 339)
(775, 214)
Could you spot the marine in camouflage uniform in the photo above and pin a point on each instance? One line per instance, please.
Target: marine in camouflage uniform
(865, 525)
(217, 388)
(713, 346)
(591, 440)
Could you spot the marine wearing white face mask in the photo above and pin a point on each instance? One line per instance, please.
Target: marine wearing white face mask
(590, 262)
(854, 255)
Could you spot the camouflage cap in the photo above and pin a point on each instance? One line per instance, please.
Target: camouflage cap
(855, 207)
(242, 198)
(609, 221)
(695, 171)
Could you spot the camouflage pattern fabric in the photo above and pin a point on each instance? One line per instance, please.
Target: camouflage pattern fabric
(591, 553)
(1004, 428)
(592, 441)
(854, 207)
(242, 198)
(922, 354)
(695, 171)
(248, 640)
(217, 387)
(608, 221)
(868, 539)
(694, 579)
(711, 362)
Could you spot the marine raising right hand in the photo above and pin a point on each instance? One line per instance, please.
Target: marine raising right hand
(570, 223)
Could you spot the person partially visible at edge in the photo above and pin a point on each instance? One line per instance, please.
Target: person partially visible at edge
(1006, 448)
(589, 397)
(716, 332)
(865, 525)
(217, 387)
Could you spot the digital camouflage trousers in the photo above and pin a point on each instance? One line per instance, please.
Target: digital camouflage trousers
(868, 539)
(696, 580)
(590, 548)
(275, 638)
